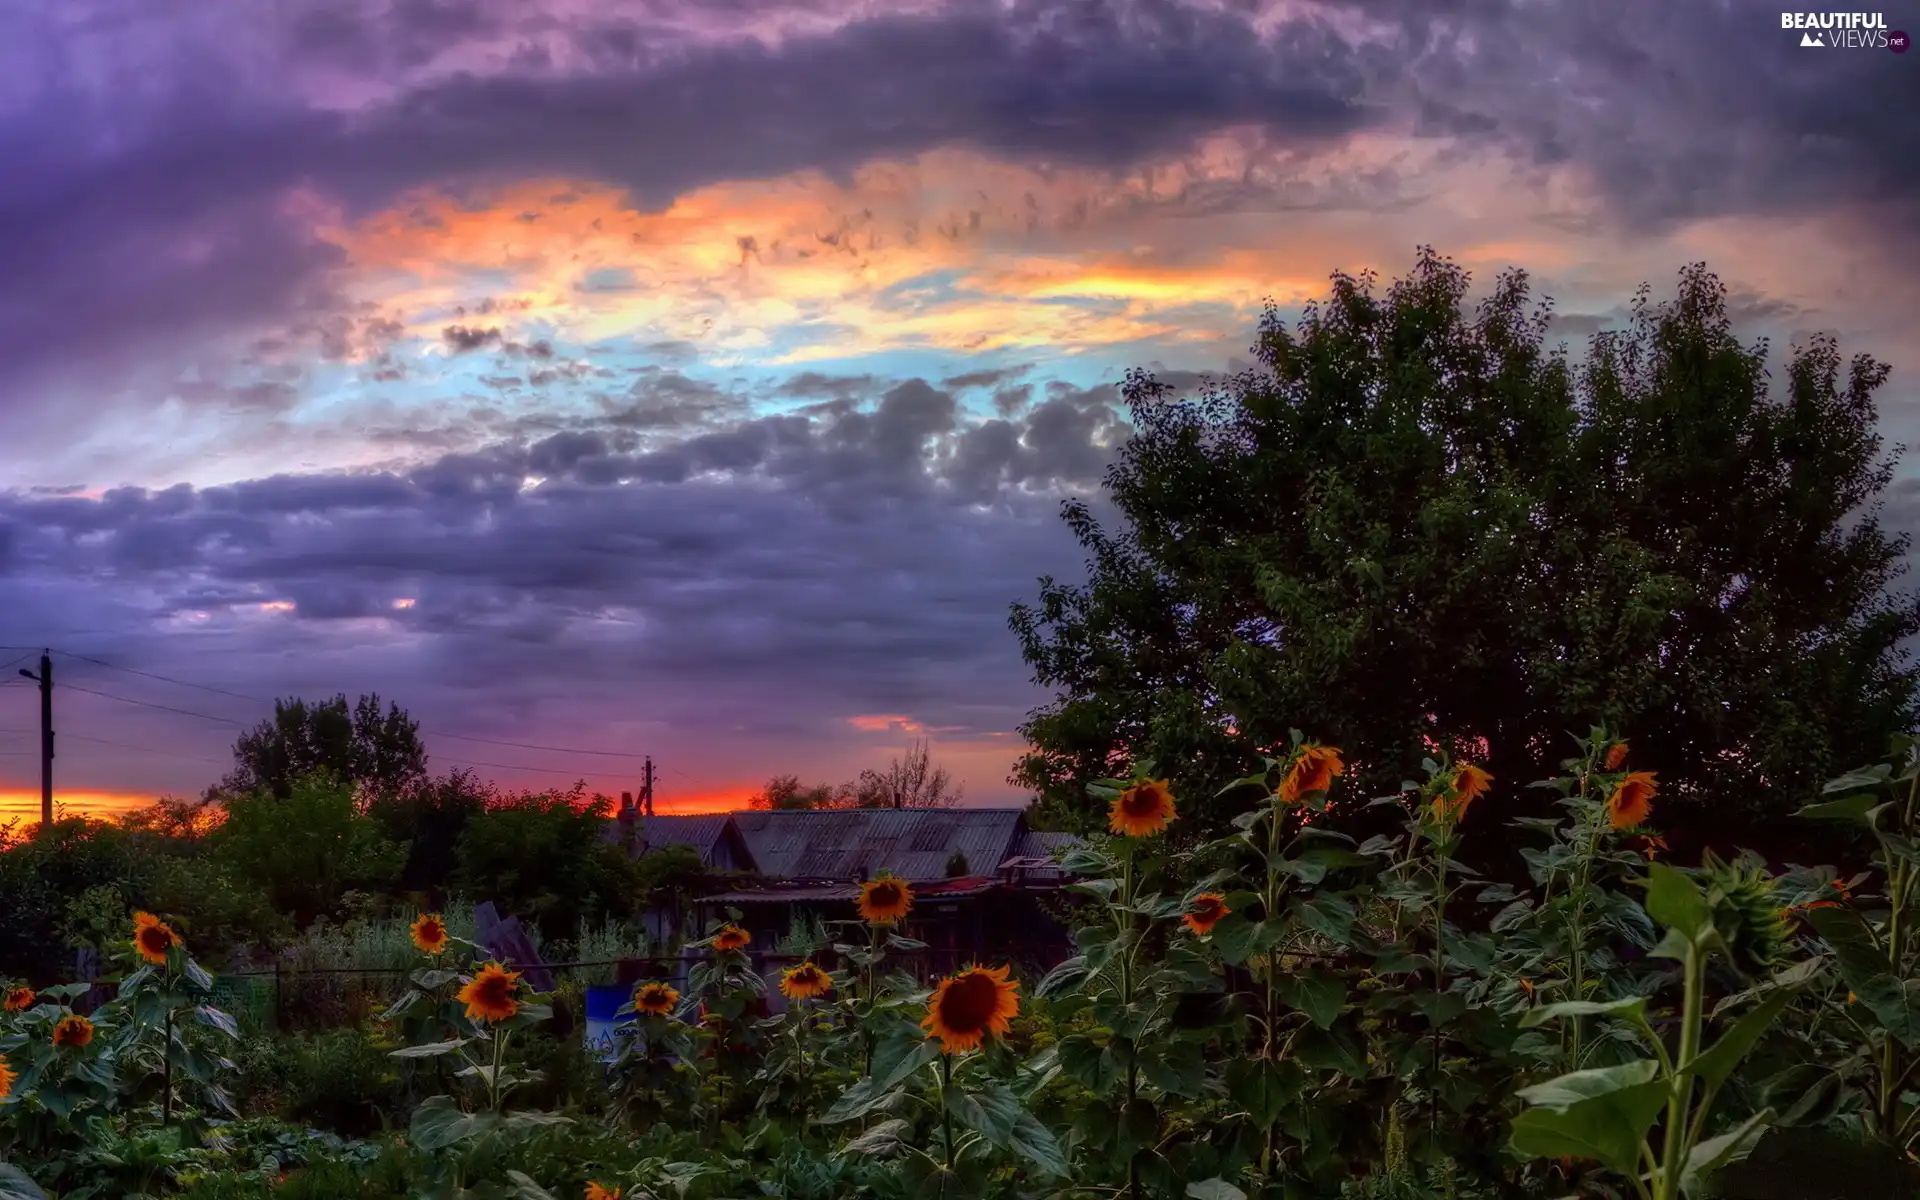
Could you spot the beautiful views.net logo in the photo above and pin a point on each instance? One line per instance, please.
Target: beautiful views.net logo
(1846, 30)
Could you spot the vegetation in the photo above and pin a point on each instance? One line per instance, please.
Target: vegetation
(1282, 1011)
(910, 781)
(1414, 524)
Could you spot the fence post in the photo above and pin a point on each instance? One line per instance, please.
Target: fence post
(277, 1019)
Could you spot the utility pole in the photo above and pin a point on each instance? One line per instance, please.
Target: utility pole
(646, 787)
(45, 680)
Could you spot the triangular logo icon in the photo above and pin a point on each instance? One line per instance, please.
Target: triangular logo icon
(1812, 39)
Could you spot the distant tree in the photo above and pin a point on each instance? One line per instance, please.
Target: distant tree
(430, 815)
(1411, 522)
(911, 781)
(547, 859)
(785, 793)
(43, 876)
(370, 749)
(305, 849)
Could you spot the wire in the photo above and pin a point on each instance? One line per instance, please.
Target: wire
(467, 762)
(162, 678)
(463, 737)
(74, 687)
(81, 737)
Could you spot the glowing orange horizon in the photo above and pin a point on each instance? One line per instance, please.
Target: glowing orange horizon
(24, 806)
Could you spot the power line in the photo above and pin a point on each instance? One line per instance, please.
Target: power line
(463, 737)
(74, 687)
(162, 678)
(81, 737)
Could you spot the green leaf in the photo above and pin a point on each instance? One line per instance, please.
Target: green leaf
(216, 1019)
(1895, 1004)
(997, 1115)
(1577, 1087)
(1214, 1189)
(1601, 1114)
(1677, 902)
(16, 1184)
(1632, 1009)
(1330, 1050)
(1709, 1156)
(1318, 994)
(439, 1123)
(1866, 777)
(430, 1049)
(882, 1140)
(1863, 808)
(1331, 916)
(1718, 1061)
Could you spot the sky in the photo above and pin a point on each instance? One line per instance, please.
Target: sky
(703, 378)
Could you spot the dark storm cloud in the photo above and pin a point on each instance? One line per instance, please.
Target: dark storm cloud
(178, 225)
(864, 560)
(1680, 110)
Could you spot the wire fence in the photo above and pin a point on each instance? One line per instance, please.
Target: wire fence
(287, 998)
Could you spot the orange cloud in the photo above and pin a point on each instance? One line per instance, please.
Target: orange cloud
(955, 251)
(885, 723)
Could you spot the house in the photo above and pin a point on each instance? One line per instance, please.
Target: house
(711, 835)
(979, 878)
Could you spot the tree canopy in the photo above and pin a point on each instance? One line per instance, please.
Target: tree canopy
(368, 748)
(1415, 523)
(909, 781)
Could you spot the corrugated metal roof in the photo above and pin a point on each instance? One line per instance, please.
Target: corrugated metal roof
(699, 830)
(704, 832)
(1044, 843)
(946, 889)
(914, 843)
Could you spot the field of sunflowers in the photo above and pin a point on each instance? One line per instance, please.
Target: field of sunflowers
(1284, 1012)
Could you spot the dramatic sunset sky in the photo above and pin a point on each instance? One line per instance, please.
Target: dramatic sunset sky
(703, 377)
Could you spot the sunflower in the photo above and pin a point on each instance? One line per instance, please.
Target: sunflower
(1204, 912)
(1652, 845)
(20, 997)
(1632, 801)
(1469, 784)
(1311, 772)
(731, 938)
(6, 1079)
(429, 933)
(970, 1004)
(153, 938)
(489, 995)
(74, 1031)
(1142, 810)
(1616, 754)
(885, 900)
(655, 999)
(597, 1192)
(804, 982)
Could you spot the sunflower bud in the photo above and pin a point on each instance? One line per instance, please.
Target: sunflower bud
(1747, 913)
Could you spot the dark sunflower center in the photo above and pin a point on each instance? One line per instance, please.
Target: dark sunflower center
(884, 895)
(1206, 908)
(495, 990)
(969, 1003)
(1141, 801)
(156, 939)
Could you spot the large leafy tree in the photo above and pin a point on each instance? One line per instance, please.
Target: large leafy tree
(368, 748)
(1414, 523)
(306, 849)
